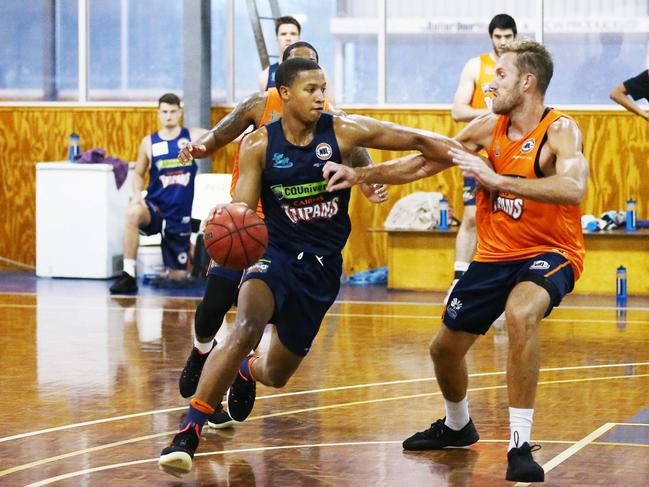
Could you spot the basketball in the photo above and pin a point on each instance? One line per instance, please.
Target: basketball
(236, 237)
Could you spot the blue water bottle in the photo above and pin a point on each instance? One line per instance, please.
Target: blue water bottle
(631, 210)
(620, 284)
(443, 214)
(74, 147)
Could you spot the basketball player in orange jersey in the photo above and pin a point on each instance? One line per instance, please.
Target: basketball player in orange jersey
(472, 99)
(222, 284)
(530, 245)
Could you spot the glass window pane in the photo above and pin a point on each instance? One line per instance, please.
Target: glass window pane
(348, 57)
(219, 51)
(594, 48)
(428, 44)
(38, 47)
(135, 49)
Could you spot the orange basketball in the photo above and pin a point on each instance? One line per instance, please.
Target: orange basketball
(236, 238)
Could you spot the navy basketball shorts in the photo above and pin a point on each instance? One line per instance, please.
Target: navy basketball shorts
(220, 271)
(479, 297)
(304, 287)
(175, 243)
(468, 192)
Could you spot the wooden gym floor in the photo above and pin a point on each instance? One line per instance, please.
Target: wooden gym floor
(90, 395)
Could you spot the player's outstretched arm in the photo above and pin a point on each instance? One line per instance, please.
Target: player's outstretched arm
(227, 129)
(251, 164)
(566, 186)
(375, 193)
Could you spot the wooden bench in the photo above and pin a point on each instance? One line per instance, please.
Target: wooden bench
(422, 260)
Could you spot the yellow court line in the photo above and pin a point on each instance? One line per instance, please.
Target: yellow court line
(300, 393)
(299, 411)
(331, 315)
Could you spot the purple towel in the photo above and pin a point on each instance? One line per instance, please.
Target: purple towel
(100, 156)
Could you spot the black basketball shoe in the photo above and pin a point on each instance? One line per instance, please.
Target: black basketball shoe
(440, 436)
(220, 419)
(125, 283)
(241, 398)
(176, 459)
(191, 373)
(521, 466)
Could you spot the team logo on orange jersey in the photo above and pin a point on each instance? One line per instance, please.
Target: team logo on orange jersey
(528, 146)
(509, 204)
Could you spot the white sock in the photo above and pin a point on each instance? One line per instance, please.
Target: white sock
(204, 347)
(460, 266)
(129, 267)
(520, 425)
(457, 414)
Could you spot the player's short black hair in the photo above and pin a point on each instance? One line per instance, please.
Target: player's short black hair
(170, 99)
(502, 21)
(287, 51)
(287, 19)
(288, 70)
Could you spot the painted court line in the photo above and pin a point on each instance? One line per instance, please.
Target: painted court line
(570, 451)
(300, 393)
(328, 315)
(292, 412)
(338, 302)
(252, 450)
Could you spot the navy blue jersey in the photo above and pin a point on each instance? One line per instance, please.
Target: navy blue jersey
(171, 184)
(272, 69)
(301, 215)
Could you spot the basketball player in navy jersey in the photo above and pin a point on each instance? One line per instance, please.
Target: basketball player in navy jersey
(297, 280)
(223, 284)
(167, 207)
(287, 31)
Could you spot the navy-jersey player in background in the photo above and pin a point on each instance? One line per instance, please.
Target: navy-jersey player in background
(167, 207)
(297, 280)
(287, 31)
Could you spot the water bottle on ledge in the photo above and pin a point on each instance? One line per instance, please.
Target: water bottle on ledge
(620, 284)
(443, 214)
(74, 147)
(631, 210)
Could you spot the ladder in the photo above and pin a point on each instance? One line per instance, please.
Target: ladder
(255, 22)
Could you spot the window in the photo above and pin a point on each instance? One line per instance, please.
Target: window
(38, 48)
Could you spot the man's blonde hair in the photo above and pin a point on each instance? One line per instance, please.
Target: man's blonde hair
(533, 57)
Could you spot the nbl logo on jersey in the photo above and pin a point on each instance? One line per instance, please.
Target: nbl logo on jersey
(324, 151)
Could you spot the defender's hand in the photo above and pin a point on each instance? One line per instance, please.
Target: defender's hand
(339, 176)
(375, 193)
(192, 151)
(476, 167)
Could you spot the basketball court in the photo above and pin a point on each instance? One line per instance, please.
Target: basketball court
(90, 394)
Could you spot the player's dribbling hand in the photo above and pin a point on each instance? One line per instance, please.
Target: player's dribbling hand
(339, 176)
(191, 152)
(375, 193)
(217, 211)
(475, 167)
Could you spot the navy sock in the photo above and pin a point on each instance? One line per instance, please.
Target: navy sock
(198, 413)
(244, 370)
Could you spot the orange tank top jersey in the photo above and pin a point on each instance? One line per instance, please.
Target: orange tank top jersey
(481, 91)
(510, 227)
(272, 111)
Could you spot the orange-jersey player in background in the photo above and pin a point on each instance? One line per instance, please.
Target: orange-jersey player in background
(472, 99)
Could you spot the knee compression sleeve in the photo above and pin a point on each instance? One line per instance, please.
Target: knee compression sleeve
(220, 295)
